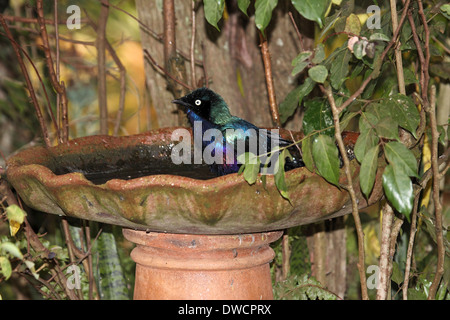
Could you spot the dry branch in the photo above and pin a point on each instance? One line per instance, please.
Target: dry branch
(350, 190)
(269, 79)
(27, 81)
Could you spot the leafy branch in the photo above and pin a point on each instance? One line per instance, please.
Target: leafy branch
(393, 121)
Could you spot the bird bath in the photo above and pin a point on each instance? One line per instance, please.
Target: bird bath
(197, 236)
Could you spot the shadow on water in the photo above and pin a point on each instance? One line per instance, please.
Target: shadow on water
(126, 163)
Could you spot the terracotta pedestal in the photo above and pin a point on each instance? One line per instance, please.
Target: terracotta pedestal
(183, 266)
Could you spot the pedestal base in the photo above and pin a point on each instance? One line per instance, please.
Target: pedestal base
(181, 266)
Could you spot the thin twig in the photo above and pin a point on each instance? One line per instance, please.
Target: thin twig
(61, 109)
(49, 106)
(427, 55)
(123, 86)
(299, 35)
(409, 251)
(56, 271)
(269, 79)
(436, 199)
(58, 86)
(101, 65)
(205, 70)
(192, 51)
(350, 190)
(165, 72)
(27, 81)
(46, 47)
(419, 54)
(398, 52)
(122, 77)
(151, 32)
(31, 20)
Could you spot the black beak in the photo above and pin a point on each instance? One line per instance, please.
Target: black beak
(181, 102)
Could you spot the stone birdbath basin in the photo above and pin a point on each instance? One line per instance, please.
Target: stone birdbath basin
(198, 236)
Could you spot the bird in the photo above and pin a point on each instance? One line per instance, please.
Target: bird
(211, 110)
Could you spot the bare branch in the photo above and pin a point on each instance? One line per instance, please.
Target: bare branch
(384, 275)
(269, 80)
(192, 51)
(350, 189)
(101, 65)
(398, 52)
(436, 199)
(27, 81)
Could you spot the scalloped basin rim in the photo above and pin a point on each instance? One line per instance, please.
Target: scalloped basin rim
(172, 203)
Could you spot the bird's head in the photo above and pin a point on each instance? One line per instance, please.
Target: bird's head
(206, 104)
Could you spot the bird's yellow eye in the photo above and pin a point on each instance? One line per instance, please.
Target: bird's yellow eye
(198, 102)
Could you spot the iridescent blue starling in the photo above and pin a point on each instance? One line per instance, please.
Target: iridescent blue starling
(211, 110)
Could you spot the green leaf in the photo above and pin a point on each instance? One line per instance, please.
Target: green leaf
(398, 189)
(401, 158)
(325, 154)
(445, 10)
(397, 275)
(318, 73)
(380, 110)
(213, 11)
(307, 153)
(379, 37)
(301, 287)
(12, 249)
(404, 112)
(366, 141)
(110, 272)
(30, 265)
(339, 69)
(16, 217)
(410, 76)
(15, 213)
(280, 181)
(368, 170)
(243, 5)
(312, 9)
(5, 267)
(352, 24)
(263, 13)
(251, 164)
(441, 132)
(251, 173)
(387, 128)
(319, 54)
(359, 49)
(346, 119)
(367, 121)
(303, 56)
(294, 99)
(299, 67)
(318, 116)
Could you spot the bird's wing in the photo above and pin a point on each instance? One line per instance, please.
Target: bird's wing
(264, 138)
